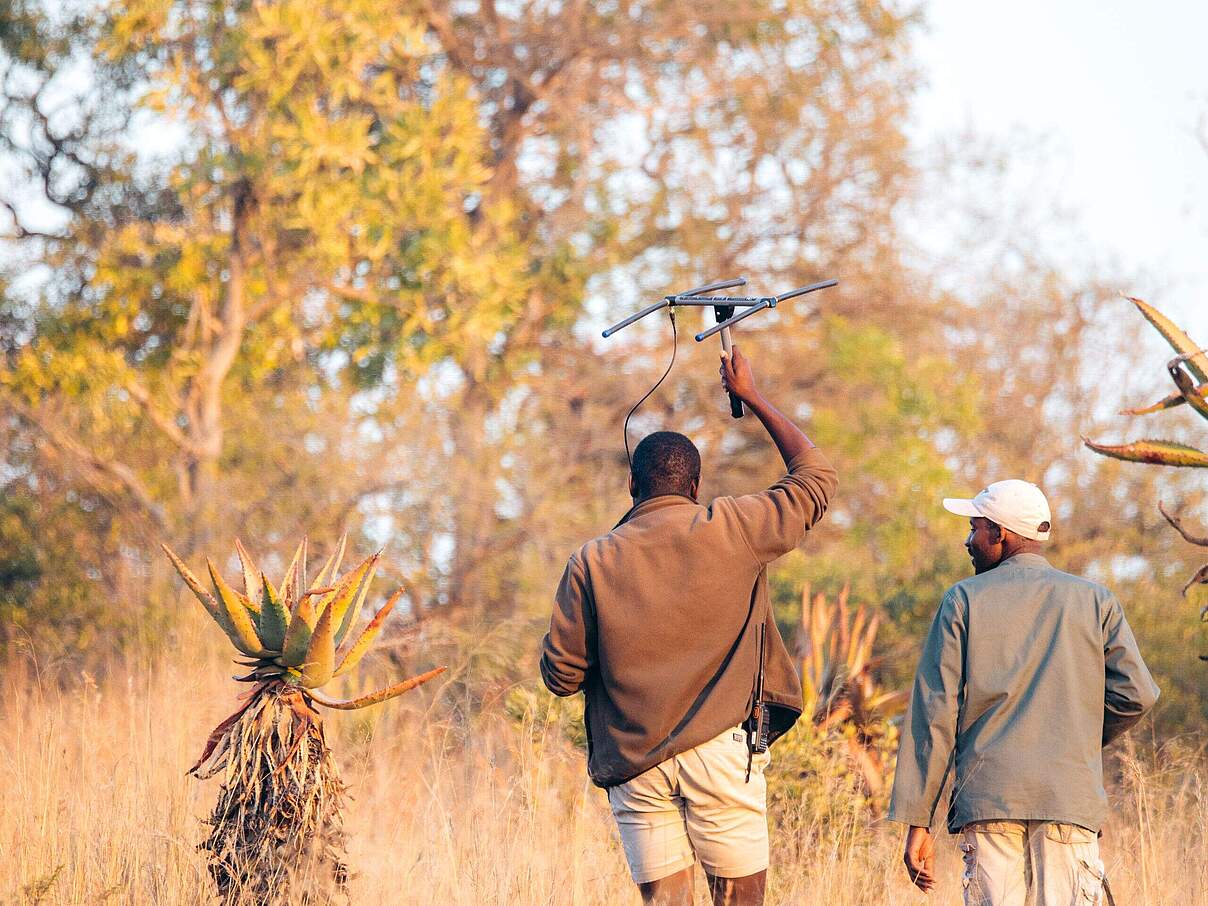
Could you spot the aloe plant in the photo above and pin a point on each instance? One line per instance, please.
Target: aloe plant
(838, 686)
(276, 832)
(1189, 371)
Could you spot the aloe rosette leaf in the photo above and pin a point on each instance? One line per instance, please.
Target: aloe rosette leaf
(242, 631)
(353, 654)
(320, 660)
(251, 575)
(1180, 342)
(291, 583)
(352, 610)
(1187, 387)
(1172, 401)
(296, 637)
(331, 568)
(274, 617)
(376, 698)
(1154, 452)
(207, 600)
(348, 595)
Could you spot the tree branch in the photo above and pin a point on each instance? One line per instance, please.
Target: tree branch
(166, 426)
(93, 468)
(1199, 540)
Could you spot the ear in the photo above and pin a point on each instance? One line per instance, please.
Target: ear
(695, 487)
(633, 487)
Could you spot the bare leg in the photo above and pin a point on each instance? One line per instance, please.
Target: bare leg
(746, 891)
(673, 890)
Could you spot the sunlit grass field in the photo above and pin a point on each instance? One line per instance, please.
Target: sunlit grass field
(451, 805)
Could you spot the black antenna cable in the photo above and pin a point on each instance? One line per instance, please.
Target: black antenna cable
(670, 365)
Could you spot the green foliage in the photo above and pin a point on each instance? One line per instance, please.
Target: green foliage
(50, 598)
(539, 713)
(817, 781)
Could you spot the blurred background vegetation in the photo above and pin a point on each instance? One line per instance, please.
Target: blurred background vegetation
(284, 267)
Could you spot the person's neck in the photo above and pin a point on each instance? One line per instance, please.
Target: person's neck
(638, 501)
(1026, 546)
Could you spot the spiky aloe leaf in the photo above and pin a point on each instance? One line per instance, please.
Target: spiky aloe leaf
(1167, 402)
(350, 594)
(375, 698)
(238, 622)
(320, 660)
(297, 636)
(292, 584)
(364, 641)
(1197, 360)
(260, 674)
(208, 601)
(1186, 386)
(331, 568)
(251, 575)
(274, 618)
(1156, 452)
(258, 661)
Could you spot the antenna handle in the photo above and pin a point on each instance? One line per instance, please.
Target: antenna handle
(723, 314)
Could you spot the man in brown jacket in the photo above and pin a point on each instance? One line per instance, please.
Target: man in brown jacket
(662, 624)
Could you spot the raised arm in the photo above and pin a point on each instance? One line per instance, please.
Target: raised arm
(775, 520)
(737, 378)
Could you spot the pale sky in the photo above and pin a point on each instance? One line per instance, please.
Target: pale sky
(1117, 90)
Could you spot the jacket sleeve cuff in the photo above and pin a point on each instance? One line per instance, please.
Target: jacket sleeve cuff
(913, 819)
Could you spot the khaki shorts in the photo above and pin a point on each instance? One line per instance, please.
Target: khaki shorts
(1031, 863)
(696, 805)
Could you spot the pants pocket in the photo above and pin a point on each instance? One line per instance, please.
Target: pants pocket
(970, 884)
(1069, 833)
(1091, 876)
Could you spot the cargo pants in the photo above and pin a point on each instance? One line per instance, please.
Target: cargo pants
(1031, 863)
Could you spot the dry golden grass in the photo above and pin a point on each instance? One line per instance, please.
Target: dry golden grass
(454, 809)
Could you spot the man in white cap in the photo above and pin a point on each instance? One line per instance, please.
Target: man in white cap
(1026, 674)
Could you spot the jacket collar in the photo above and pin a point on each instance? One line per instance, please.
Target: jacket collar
(1026, 559)
(652, 504)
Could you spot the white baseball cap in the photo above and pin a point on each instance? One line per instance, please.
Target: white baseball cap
(1016, 505)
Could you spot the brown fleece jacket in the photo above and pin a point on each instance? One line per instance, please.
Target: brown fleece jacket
(657, 622)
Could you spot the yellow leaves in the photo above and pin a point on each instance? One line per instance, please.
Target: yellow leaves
(301, 648)
(1197, 359)
(237, 621)
(297, 637)
(320, 657)
(365, 640)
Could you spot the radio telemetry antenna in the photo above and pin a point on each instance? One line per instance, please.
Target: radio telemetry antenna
(723, 310)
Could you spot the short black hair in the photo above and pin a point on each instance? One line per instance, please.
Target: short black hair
(665, 462)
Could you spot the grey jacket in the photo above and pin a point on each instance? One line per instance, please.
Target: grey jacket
(1026, 674)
